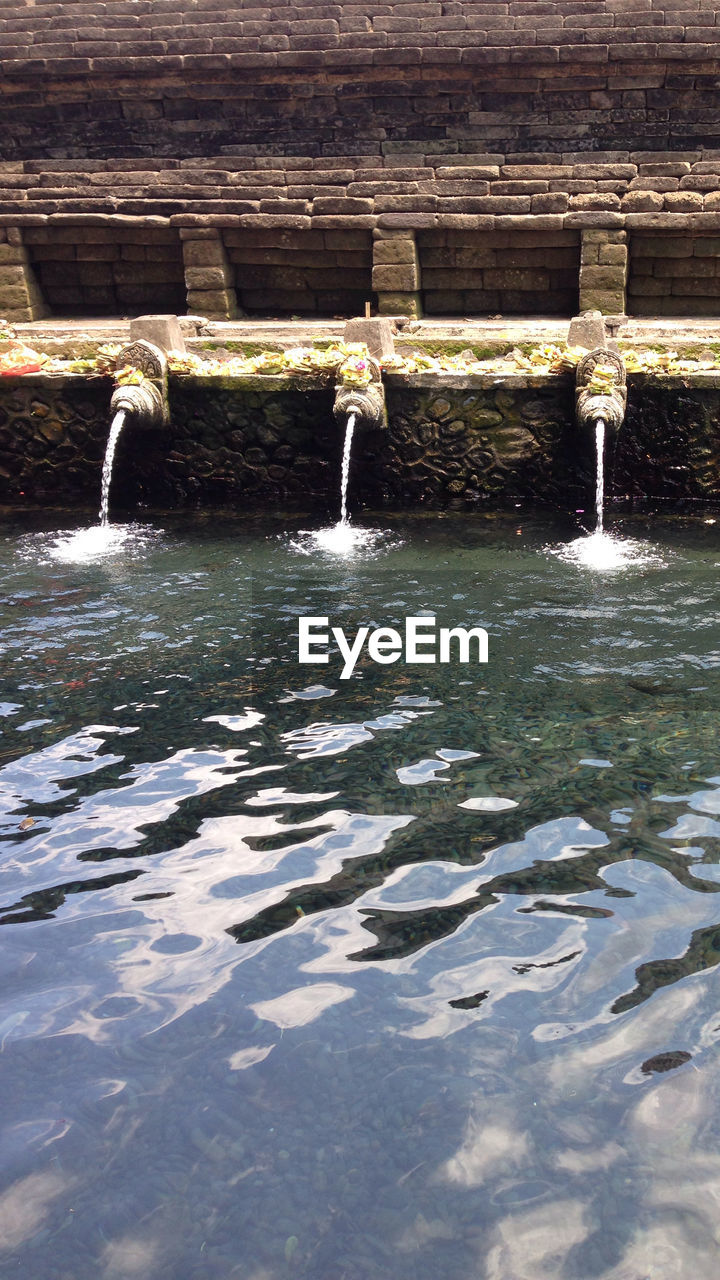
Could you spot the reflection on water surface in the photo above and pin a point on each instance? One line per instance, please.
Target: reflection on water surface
(407, 975)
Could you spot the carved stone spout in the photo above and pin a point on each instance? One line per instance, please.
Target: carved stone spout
(366, 401)
(145, 402)
(601, 389)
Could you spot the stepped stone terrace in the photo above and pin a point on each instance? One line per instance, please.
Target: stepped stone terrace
(451, 157)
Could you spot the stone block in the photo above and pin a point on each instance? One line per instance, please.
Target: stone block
(21, 315)
(12, 295)
(676, 169)
(12, 275)
(395, 204)
(596, 235)
(461, 172)
(658, 184)
(600, 277)
(531, 281)
(599, 171)
(12, 254)
(648, 287)
(392, 251)
(533, 222)
(641, 202)
(208, 277)
(587, 219)
(400, 304)
(659, 246)
(204, 253)
(375, 332)
(595, 201)
(609, 302)
(705, 246)
(399, 278)
(685, 202)
(551, 202)
(162, 330)
(413, 221)
(97, 252)
(587, 330)
(700, 182)
(503, 204)
(214, 303)
(341, 205)
(695, 268)
(613, 255)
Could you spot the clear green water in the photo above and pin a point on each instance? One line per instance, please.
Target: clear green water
(402, 977)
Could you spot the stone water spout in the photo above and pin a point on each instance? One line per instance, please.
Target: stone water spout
(601, 389)
(144, 403)
(366, 401)
(600, 402)
(359, 401)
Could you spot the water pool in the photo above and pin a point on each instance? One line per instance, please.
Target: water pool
(409, 975)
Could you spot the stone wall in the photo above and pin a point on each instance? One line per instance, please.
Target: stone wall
(186, 77)
(286, 271)
(107, 270)
(248, 125)
(261, 444)
(674, 275)
(524, 272)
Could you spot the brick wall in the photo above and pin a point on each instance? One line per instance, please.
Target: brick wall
(191, 77)
(86, 270)
(298, 139)
(674, 275)
(303, 272)
(525, 273)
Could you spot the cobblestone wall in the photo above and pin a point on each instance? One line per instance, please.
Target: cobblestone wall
(260, 445)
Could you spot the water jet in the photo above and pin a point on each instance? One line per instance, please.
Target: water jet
(359, 400)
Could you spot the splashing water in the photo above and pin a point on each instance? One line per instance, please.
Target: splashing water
(600, 550)
(346, 469)
(599, 474)
(96, 543)
(341, 539)
(117, 425)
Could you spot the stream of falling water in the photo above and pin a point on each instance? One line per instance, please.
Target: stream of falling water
(346, 468)
(116, 427)
(342, 538)
(599, 474)
(601, 550)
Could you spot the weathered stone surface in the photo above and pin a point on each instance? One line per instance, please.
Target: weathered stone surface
(260, 442)
(394, 251)
(641, 202)
(375, 332)
(400, 304)
(289, 116)
(162, 330)
(609, 302)
(587, 330)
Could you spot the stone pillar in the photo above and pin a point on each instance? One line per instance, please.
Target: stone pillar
(209, 277)
(396, 272)
(20, 296)
(603, 271)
